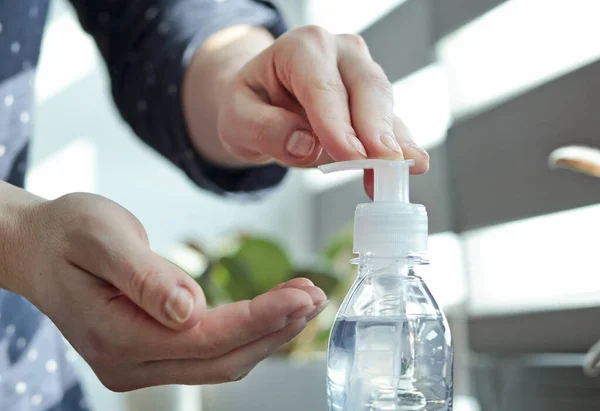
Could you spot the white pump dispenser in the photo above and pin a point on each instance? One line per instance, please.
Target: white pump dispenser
(390, 226)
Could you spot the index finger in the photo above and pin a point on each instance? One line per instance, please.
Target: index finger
(315, 81)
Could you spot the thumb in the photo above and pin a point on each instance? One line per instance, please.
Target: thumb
(104, 240)
(261, 130)
(165, 291)
(160, 288)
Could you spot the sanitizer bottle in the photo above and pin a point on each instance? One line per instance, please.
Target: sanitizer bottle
(390, 347)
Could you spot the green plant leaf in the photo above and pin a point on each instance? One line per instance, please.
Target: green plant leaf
(322, 338)
(241, 286)
(253, 265)
(219, 275)
(214, 294)
(265, 263)
(341, 243)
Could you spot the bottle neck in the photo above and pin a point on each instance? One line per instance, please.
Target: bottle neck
(409, 259)
(404, 266)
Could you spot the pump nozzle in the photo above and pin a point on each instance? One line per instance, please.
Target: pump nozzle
(391, 177)
(390, 226)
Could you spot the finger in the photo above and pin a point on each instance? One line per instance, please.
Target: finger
(411, 149)
(231, 367)
(369, 183)
(315, 81)
(294, 283)
(318, 295)
(230, 326)
(271, 90)
(161, 289)
(265, 132)
(371, 98)
(220, 330)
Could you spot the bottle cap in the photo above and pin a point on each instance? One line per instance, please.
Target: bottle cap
(390, 226)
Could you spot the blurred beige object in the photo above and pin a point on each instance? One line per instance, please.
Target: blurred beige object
(584, 160)
(591, 364)
(581, 159)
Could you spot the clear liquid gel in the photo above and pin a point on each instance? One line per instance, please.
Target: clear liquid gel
(390, 347)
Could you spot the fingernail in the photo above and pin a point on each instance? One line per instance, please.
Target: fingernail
(301, 144)
(390, 142)
(416, 148)
(318, 310)
(301, 312)
(179, 305)
(357, 145)
(421, 149)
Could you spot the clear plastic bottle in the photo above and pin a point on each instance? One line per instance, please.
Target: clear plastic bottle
(390, 347)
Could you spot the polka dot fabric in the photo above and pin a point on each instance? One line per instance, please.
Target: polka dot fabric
(21, 29)
(147, 45)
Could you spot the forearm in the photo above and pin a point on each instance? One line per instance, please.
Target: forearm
(207, 79)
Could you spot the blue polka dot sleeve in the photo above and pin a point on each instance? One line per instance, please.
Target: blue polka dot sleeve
(147, 45)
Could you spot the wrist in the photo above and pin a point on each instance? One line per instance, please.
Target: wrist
(208, 79)
(15, 252)
(7, 235)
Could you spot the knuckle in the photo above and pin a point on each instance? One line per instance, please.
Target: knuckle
(208, 348)
(316, 32)
(256, 131)
(355, 40)
(249, 155)
(141, 282)
(79, 209)
(331, 86)
(83, 226)
(260, 130)
(227, 137)
(386, 120)
(375, 77)
(286, 65)
(309, 39)
(224, 129)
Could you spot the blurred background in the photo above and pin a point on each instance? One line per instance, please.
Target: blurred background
(490, 88)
